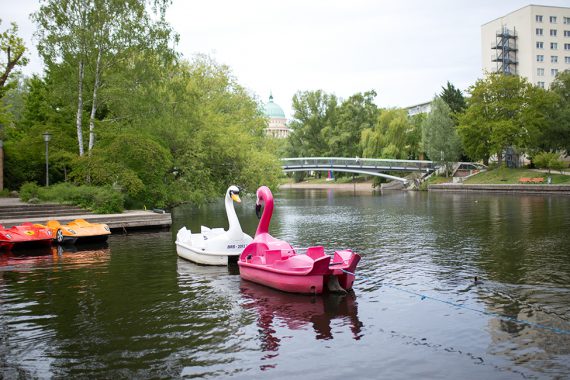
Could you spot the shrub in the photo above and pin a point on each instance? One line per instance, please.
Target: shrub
(548, 160)
(102, 200)
(108, 201)
(29, 190)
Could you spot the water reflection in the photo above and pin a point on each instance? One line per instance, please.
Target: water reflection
(84, 255)
(298, 312)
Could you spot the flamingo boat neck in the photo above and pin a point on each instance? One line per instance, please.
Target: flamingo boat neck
(275, 263)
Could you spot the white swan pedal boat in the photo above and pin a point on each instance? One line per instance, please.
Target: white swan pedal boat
(215, 246)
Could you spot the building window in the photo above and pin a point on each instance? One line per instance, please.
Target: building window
(540, 72)
(540, 84)
(553, 46)
(540, 45)
(538, 18)
(566, 59)
(566, 46)
(552, 32)
(540, 58)
(567, 33)
(553, 72)
(553, 19)
(567, 20)
(539, 31)
(553, 59)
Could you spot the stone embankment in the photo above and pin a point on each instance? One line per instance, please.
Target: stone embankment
(13, 212)
(500, 188)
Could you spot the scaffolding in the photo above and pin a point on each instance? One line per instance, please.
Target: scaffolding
(506, 47)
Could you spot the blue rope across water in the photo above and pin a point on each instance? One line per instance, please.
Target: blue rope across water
(488, 313)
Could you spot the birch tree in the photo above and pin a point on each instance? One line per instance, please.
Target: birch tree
(98, 35)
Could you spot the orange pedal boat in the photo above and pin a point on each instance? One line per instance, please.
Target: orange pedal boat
(78, 231)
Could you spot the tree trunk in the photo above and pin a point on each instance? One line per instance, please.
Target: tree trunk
(94, 104)
(79, 117)
(9, 67)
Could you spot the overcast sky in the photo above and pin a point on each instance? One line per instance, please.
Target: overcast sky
(405, 50)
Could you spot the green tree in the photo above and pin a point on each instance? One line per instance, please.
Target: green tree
(440, 139)
(503, 111)
(24, 147)
(548, 160)
(416, 150)
(314, 114)
(96, 35)
(454, 98)
(12, 56)
(390, 137)
(556, 135)
(354, 115)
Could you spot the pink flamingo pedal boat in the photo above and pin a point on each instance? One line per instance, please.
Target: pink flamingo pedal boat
(275, 263)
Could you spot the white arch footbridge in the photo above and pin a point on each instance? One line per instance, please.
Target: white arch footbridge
(368, 166)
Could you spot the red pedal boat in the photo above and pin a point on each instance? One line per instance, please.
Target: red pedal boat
(25, 235)
(275, 263)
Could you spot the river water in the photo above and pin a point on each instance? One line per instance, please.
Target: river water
(133, 309)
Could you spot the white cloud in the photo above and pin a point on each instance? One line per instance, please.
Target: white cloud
(405, 50)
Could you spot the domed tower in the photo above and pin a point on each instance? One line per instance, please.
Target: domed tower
(277, 121)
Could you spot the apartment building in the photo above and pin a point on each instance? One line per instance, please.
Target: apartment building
(533, 41)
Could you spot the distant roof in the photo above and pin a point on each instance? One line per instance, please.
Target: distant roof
(273, 110)
(521, 8)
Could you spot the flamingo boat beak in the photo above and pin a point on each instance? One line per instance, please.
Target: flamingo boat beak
(258, 211)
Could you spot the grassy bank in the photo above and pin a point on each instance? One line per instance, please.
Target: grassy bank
(503, 176)
(512, 176)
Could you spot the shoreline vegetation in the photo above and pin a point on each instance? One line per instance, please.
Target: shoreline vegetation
(314, 185)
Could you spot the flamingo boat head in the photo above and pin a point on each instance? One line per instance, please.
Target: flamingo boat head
(265, 199)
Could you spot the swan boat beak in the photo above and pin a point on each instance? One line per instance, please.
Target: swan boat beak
(235, 197)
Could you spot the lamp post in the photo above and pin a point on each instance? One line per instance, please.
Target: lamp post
(47, 137)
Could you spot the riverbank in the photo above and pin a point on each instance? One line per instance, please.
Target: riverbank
(502, 188)
(448, 186)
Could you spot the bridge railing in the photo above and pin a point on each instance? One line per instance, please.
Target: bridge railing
(364, 163)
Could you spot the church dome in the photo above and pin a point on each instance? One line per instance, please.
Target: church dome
(273, 110)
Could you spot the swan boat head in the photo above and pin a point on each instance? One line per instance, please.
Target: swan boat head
(233, 193)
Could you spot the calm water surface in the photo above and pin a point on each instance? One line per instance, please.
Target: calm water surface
(132, 309)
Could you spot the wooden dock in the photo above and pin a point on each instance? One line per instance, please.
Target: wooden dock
(14, 212)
